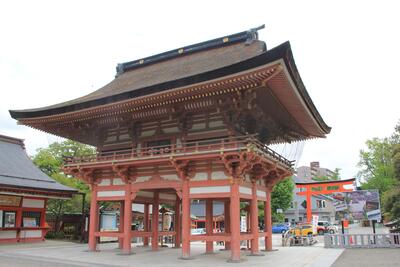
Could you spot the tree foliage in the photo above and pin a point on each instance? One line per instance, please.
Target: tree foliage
(281, 197)
(380, 169)
(50, 161)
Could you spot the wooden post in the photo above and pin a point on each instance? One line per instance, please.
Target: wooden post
(126, 244)
(154, 221)
(209, 225)
(268, 222)
(254, 221)
(94, 219)
(235, 222)
(177, 225)
(146, 220)
(186, 221)
(227, 222)
(121, 223)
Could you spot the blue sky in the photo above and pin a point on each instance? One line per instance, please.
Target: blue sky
(347, 53)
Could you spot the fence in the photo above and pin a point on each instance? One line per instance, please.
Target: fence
(362, 240)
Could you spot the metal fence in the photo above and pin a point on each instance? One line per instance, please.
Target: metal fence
(362, 240)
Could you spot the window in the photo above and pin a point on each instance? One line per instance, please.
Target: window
(31, 218)
(300, 219)
(286, 220)
(292, 205)
(321, 204)
(8, 219)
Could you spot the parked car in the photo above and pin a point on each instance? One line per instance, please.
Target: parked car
(304, 230)
(198, 231)
(280, 228)
(326, 227)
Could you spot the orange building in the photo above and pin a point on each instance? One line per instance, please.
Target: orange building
(190, 123)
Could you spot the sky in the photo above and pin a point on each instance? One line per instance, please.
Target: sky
(347, 53)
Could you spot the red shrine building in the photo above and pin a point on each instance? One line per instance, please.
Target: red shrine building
(194, 123)
(24, 191)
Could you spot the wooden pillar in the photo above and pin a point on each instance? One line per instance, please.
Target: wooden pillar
(126, 244)
(146, 222)
(254, 222)
(209, 225)
(43, 218)
(268, 222)
(177, 224)
(227, 223)
(154, 221)
(186, 221)
(94, 219)
(235, 222)
(121, 224)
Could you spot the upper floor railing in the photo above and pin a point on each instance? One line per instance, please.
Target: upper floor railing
(239, 143)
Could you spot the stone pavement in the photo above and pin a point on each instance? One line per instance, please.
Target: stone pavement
(66, 254)
(381, 257)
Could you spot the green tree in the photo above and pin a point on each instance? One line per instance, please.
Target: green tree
(281, 197)
(380, 164)
(376, 162)
(50, 161)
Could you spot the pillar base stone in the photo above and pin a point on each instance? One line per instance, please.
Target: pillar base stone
(122, 253)
(270, 250)
(235, 261)
(256, 254)
(186, 258)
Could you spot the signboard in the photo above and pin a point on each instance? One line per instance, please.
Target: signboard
(243, 224)
(29, 222)
(13, 201)
(357, 205)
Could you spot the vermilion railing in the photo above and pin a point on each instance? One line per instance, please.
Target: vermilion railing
(240, 143)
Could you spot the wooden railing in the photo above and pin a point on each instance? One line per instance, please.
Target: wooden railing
(240, 143)
(362, 240)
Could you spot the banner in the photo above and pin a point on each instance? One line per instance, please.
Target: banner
(357, 205)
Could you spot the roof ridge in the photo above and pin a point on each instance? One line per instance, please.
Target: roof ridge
(246, 36)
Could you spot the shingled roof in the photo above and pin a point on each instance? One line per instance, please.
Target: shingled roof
(17, 171)
(190, 65)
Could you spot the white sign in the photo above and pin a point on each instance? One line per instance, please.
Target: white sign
(243, 224)
(279, 211)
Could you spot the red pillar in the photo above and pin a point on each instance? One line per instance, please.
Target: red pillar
(154, 221)
(121, 224)
(177, 225)
(186, 224)
(309, 205)
(254, 222)
(126, 244)
(209, 225)
(235, 222)
(146, 224)
(227, 223)
(268, 222)
(94, 220)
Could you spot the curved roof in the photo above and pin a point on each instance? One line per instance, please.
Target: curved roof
(17, 169)
(188, 66)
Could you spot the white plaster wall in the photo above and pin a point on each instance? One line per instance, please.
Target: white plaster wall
(105, 182)
(200, 176)
(111, 193)
(245, 190)
(218, 175)
(118, 181)
(31, 233)
(32, 203)
(8, 234)
(210, 189)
